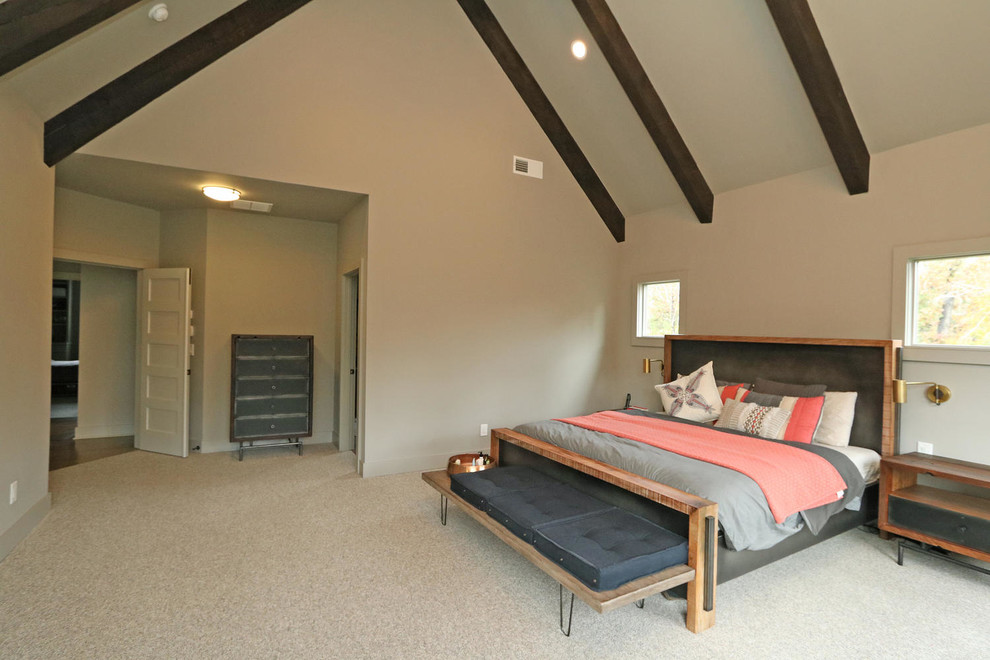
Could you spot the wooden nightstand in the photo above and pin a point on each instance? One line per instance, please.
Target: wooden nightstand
(934, 516)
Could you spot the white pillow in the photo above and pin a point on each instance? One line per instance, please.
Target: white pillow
(764, 421)
(693, 397)
(837, 419)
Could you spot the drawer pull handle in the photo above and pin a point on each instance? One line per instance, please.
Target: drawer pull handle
(273, 426)
(274, 386)
(962, 529)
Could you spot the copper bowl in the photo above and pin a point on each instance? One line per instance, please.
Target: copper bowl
(465, 463)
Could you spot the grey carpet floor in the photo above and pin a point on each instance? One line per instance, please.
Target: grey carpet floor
(148, 556)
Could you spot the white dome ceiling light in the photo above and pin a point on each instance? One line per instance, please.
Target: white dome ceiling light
(221, 193)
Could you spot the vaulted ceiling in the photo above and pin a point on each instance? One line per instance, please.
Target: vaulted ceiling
(910, 70)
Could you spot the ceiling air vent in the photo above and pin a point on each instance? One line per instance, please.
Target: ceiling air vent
(245, 205)
(527, 167)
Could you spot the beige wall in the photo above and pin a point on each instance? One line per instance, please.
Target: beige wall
(799, 257)
(104, 231)
(486, 292)
(107, 314)
(183, 245)
(267, 275)
(27, 190)
(352, 238)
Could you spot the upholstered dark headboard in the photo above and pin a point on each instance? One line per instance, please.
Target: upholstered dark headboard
(843, 365)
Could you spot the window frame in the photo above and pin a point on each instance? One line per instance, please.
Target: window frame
(902, 299)
(637, 312)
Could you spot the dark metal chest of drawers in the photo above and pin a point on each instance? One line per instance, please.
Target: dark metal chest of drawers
(271, 389)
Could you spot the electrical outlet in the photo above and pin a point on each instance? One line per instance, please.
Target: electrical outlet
(484, 431)
(926, 448)
(13, 492)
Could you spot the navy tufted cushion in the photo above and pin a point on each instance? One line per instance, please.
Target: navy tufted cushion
(607, 549)
(520, 511)
(478, 488)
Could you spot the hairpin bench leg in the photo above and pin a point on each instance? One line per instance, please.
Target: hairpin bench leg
(710, 541)
(641, 603)
(570, 616)
(443, 509)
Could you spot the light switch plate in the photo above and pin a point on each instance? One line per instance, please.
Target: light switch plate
(926, 448)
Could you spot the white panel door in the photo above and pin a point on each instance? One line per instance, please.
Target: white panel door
(163, 361)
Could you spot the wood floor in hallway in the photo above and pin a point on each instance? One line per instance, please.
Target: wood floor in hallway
(65, 451)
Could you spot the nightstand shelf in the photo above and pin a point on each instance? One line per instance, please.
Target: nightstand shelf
(931, 515)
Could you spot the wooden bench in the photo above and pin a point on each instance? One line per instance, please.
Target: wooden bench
(698, 574)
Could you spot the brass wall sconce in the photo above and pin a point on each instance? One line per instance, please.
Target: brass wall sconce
(937, 394)
(648, 365)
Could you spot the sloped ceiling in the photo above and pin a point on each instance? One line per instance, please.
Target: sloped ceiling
(53, 82)
(911, 70)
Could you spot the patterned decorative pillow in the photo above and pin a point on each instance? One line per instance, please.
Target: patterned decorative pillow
(806, 412)
(693, 397)
(764, 421)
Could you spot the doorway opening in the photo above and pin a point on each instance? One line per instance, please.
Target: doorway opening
(349, 436)
(92, 363)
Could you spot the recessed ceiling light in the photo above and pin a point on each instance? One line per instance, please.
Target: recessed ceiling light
(579, 49)
(221, 193)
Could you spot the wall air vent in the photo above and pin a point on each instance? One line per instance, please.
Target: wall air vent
(527, 167)
(245, 205)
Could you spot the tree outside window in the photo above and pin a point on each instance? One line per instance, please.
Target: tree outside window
(659, 308)
(952, 301)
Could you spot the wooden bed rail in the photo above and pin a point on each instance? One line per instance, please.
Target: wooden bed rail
(702, 516)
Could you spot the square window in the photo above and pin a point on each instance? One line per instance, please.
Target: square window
(950, 301)
(658, 308)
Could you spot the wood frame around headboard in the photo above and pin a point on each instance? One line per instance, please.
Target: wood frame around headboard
(866, 366)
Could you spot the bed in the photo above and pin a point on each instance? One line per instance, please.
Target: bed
(866, 367)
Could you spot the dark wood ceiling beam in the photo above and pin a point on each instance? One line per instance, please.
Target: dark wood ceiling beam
(117, 100)
(29, 28)
(644, 97)
(808, 52)
(536, 100)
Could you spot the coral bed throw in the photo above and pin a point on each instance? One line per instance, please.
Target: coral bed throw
(792, 479)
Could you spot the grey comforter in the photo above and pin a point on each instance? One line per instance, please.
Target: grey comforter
(743, 513)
